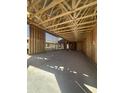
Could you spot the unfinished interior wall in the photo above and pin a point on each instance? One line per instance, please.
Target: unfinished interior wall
(36, 40)
(88, 44)
(94, 45)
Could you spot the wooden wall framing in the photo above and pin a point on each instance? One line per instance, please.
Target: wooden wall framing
(36, 40)
(88, 44)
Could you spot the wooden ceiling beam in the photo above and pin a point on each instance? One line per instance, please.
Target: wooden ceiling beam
(69, 12)
(73, 4)
(78, 2)
(71, 21)
(80, 10)
(83, 14)
(71, 26)
(44, 5)
(52, 4)
(78, 31)
(77, 28)
(63, 7)
(67, 5)
(55, 21)
(74, 25)
(33, 4)
(51, 11)
(71, 30)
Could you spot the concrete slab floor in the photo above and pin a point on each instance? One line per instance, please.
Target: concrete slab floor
(61, 72)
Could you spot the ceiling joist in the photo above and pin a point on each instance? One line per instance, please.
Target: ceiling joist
(69, 12)
(77, 28)
(71, 20)
(54, 3)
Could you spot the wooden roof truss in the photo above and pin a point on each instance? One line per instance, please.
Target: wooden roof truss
(66, 18)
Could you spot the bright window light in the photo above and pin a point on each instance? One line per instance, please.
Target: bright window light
(28, 56)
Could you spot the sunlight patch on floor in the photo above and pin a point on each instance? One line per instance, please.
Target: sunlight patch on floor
(40, 81)
(86, 75)
(42, 58)
(28, 56)
(92, 89)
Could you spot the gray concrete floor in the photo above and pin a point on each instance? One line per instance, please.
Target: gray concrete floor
(73, 71)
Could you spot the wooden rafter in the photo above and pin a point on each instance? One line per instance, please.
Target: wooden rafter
(77, 3)
(33, 4)
(53, 11)
(70, 17)
(67, 13)
(77, 28)
(44, 5)
(73, 4)
(83, 14)
(79, 31)
(52, 4)
(63, 29)
(71, 20)
(74, 30)
(67, 5)
(63, 7)
(80, 10)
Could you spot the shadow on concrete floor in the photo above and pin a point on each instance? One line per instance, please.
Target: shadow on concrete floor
(72, 70)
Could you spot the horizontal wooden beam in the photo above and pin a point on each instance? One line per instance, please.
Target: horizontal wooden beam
(84, 17)
(76, 28)
(52, 4)
(67, 13)
(70, 34)
(72, 31)
(78, 2)
(44, 4)
(72, 26)
(67, 5)
(82, 23)
(63, 7)
(33, 4)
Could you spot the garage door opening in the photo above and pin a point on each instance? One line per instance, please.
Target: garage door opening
(53, 42)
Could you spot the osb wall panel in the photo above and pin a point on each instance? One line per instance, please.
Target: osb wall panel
(88, 45)
(36, 40)
(94, 45)
(81, 45)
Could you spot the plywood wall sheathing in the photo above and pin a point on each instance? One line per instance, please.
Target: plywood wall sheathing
(37, 39)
